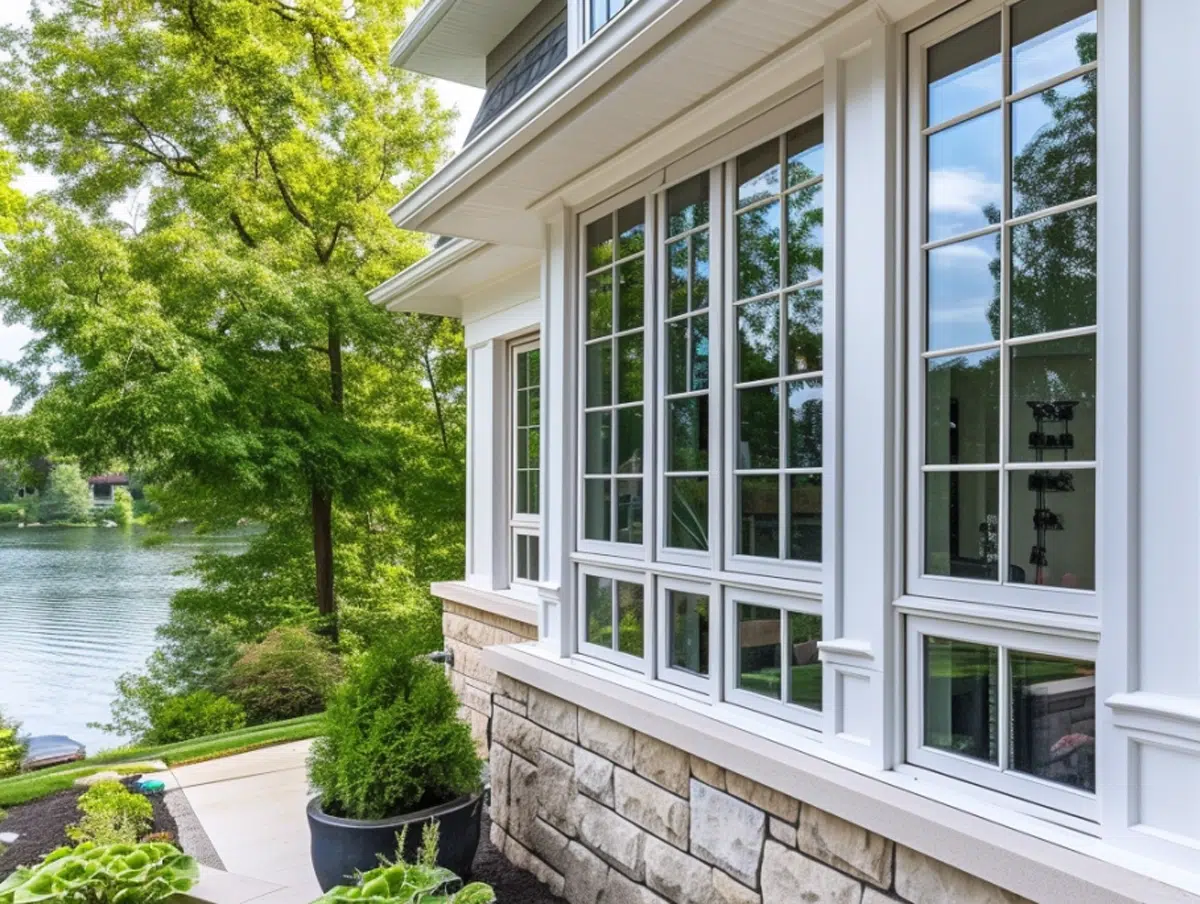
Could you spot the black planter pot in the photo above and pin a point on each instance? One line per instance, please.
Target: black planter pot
(340, 847)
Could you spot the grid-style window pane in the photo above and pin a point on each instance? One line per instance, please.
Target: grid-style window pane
(685, 350)
(525, 565)
(777, 654)
(778, 326)
(527, 422)
(614, 614)
(962, 687)
(1009, 310)
(614, 369)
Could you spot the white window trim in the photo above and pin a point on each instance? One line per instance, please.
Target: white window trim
(998, 593)
(643, 664)
(519, 523)
(996, 777)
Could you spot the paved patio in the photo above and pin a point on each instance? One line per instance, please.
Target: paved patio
(251, 809)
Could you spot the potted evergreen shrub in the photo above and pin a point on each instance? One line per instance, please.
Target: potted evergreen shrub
(393, 757)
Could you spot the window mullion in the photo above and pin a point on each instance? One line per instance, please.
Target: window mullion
(1003, 532)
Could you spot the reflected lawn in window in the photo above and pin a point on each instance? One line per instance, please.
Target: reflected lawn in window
(804, 633)
(1054, 719)
(758, 653)
(961, 690)
(689, 631)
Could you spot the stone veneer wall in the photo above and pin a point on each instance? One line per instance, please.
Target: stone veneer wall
(606, 815)
(467, 631)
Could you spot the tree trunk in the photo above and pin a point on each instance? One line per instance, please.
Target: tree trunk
(322, 530)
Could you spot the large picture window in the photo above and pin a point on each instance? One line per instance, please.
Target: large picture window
(525, 416)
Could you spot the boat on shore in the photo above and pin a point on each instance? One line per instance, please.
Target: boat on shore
(52, 750)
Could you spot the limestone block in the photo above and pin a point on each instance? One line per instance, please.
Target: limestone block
(680, 878)
(499, 838)
(845, 846)
(559, 748)
(655, 809)
(522, 858)
(788, 877)
(511, 705)
(519, 735)
(469, 661)
(923, 880)
(479, 728)
(501, 762)
(503, 622)
(522, 798)
(586, 876)
(774, 802)
(610, 739)
(512, 689)
(558, 794)
(621, 890)
(708, 773)
(871, 896)
(471, 694)
(550, 844)
(783, 832)
(594, 775)
(476, 633)
(727, 891)
(727, 832)
(617, 840)
(661, 763)
(553, 713)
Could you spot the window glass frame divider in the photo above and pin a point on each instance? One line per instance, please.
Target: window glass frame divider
(999, 592)
(995, 777)
(805, 604)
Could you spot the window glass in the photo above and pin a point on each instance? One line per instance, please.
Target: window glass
(688, 626)
(1009, 364)
(685, 411)
(758, 650)
(598, 602)
(614, 376)
(778, 321)
(614, 615)
(962, 698)
(528, 431)
(631, 619)
(804, 633)
(526, 555)
(1054, 719)
(601, 11)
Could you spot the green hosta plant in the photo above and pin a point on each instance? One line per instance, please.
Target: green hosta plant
(111, 874)
(423, 882)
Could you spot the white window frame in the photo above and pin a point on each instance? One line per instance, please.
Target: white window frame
(643, 664)
(999, 594)
(701, 559)
(709, 685)
(527, 524)
(591, 28)
(994, 777)
(613, 547)
(788, 712)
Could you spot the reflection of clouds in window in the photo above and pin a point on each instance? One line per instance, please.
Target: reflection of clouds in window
(960, 191)
(1053, 52)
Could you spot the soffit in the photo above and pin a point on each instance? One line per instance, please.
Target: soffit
(669, 59)
(449, 281)
(450, 39)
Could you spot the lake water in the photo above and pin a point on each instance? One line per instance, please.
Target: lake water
(79, 606)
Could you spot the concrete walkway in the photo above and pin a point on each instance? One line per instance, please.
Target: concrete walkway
(251, 808)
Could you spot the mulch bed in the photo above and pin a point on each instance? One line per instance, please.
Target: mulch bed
(43, 823)
(512, 885)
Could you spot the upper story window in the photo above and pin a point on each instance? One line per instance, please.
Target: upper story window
(1003, 396)
(600, 12)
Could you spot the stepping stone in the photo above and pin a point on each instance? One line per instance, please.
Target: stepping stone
(8, 837)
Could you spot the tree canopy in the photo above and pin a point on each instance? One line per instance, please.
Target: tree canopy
(223, 342)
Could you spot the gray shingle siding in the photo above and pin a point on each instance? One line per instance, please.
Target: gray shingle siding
(539, 61)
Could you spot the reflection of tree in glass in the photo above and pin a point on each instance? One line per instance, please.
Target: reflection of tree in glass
(1054, 259)
(759, 436)
(805, 438)
(689, 513)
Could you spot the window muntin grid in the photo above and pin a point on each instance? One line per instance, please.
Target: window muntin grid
(614, 376)
(1009, 314)
(778, 221)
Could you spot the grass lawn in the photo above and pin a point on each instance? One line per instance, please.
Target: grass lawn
(29, 786)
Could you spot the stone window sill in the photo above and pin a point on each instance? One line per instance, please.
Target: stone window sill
(1031, 857)
(507, 604)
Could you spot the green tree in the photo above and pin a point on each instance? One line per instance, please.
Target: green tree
(225, 346)
(121, 510)
(67, 497)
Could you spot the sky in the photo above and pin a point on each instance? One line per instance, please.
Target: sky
(12, 338)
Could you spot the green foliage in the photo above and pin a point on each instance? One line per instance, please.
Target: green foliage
(392, 741)
(109, 874)
(112, 814)
(423, 882)
(11, 513)
(289, 673)
(194, 715)
(12, 747)
(121, 511)
(67, 498)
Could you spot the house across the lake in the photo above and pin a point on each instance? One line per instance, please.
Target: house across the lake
(833, 492)
(103, 486)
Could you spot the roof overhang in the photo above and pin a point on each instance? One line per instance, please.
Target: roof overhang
(459, 277)
(451, 39)
(665, 73)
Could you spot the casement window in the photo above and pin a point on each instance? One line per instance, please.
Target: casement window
(525, 417)
(1003, 394)
(601, 12)
(709, 292)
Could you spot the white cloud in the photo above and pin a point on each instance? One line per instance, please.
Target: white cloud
(961, 191)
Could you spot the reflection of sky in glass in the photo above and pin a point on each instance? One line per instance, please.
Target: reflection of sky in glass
(965, 71)
(962, 290)
(1050, 54)
(966, 167)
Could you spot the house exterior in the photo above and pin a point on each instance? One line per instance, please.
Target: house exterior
(103, 486)
(832, 491)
